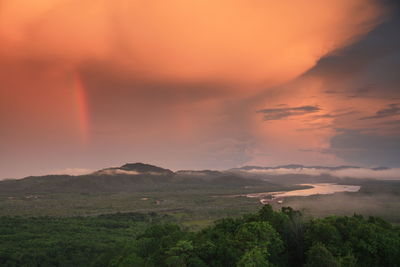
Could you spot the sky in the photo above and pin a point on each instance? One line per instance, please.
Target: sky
(89, 84)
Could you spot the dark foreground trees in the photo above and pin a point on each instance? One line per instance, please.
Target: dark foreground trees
(270, 238)
(266, 238)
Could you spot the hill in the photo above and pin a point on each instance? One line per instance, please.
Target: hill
(131, 177)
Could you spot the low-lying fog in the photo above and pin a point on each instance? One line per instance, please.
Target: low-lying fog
(362, 173)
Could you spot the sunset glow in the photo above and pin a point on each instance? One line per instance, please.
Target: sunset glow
(198, 84)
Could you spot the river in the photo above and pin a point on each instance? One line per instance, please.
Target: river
(317, 189)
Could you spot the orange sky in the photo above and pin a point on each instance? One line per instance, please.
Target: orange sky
(88, 84)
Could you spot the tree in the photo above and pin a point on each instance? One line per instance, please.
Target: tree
(320, 256)
(256, 257)
(262, 235)
(179, 254)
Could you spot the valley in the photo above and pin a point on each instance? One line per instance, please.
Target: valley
(193, 198)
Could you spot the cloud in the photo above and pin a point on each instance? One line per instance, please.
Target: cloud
(305, 150)
(256, 42)
(281, 113)
(335, 115)
(116, 171)
(348, 85)
(395, 122)
(71, 171)
(363, 91)
(367, 148)
(389, 174)
(366, 69)
(362, 173)
(162, 77)
(391, 110)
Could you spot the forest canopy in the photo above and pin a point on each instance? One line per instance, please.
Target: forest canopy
(264, 238)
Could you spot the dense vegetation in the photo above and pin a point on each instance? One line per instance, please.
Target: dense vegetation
(265, 238)
(70, 231)
(70, 241)
(204, 196)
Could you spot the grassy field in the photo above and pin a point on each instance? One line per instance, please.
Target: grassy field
(192, 207)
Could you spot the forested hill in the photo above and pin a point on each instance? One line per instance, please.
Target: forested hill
(132, 177)
(265, 238)
(139, 177)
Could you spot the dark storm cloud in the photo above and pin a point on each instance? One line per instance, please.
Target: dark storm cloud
(366, 148)
(369, 68)
(363, 91)
(396, 122)
(391, 110)
(334, 115)
(281, 113)
(358, 78)
(313, 128)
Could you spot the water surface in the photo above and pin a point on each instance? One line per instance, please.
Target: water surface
(317, 189)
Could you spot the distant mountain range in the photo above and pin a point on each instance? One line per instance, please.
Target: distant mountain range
(134, 177)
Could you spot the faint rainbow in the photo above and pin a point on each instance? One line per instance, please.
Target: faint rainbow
(82, 108)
